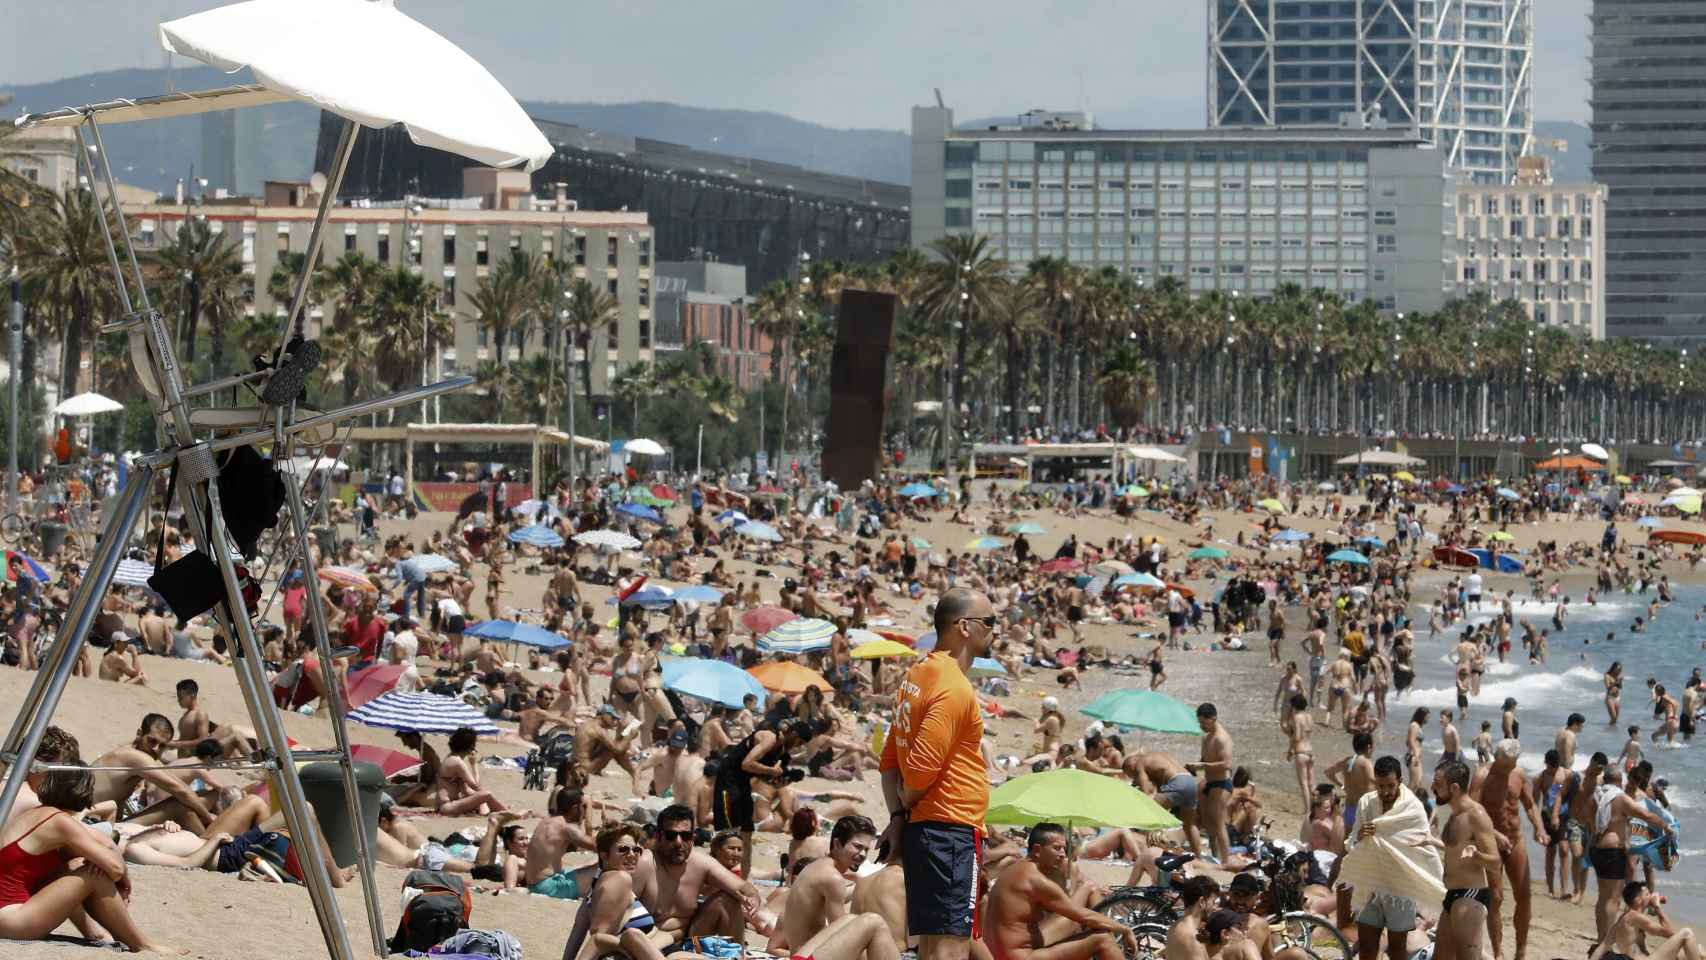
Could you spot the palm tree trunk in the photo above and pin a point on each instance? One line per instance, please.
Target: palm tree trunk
(1014, 369)
(27, 447)
(782, 437)
(216, 350)
(191, 322)
(71, 363)
(1048, 388)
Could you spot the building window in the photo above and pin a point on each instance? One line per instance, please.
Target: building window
(384, 249)
(645, 251)
(1516, 229)
(480, 335)
(610, 251)
(449, 297)
(349, 242)
(611, 286)
(515, 243)
(449, 250)
(645, 292)
(580, 251)
(645, 334)
(482, 255)
(284, 243)
(610, 342)
(1540, 206)
(1471, 273)
(1385, 218)
(1385, 243)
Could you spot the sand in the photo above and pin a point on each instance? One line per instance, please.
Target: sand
(217, 916)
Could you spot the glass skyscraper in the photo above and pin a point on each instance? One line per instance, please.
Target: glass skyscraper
(1456, 71)
(1649, 138)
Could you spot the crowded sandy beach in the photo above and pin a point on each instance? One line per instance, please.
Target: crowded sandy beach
(1260, 791)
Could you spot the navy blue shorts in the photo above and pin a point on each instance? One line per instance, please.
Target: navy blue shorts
(941, 861)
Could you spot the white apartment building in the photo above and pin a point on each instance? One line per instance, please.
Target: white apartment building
(1534, 241)
(455, 242)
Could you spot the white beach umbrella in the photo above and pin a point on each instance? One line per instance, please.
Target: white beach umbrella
(368, 62)
(607, 539)
(86, 405)
(644, 447)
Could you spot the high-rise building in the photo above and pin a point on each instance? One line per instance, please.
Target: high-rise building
(1648, 137)
(701, 301)
(1456, 71)
(1360, 213)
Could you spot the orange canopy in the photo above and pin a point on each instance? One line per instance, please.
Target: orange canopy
(790, 678)
(1570, 463)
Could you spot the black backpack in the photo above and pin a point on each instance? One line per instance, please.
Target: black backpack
(436, 914)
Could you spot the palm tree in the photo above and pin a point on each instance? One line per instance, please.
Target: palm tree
(777, 313)
(504, 301)
(64, 259)
(590, 310)
(1127, 381)
(407, 320)
(203, 270)
(1016, 320)
(961, 288)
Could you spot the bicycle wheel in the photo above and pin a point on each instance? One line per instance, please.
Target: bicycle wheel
(12, 527)
(1311, 933)
(1135, 906)
(1151, 940)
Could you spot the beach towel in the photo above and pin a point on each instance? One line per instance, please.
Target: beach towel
(1387, 863)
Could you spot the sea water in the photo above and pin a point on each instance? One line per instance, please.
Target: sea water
(1570, 682)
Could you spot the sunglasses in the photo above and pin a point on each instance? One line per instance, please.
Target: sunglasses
(676, 834)
(626, 851)
(988, 622)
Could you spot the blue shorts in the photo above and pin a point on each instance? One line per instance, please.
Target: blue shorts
(941, 862)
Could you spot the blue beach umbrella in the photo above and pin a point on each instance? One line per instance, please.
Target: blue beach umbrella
(759, 531)
(537, 535)
(917, 490)
(509, 631)
(1347, 556)
(712, 680)
(640, 511)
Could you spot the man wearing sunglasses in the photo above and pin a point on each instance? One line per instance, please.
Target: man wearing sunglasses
(935, 782)
(684, 874)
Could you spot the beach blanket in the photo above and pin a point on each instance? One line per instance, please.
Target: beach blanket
(1388, 862)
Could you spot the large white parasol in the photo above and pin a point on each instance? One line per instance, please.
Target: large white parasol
(87, 405)
(367, 61)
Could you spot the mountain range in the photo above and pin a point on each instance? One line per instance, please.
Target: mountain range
(158, 154)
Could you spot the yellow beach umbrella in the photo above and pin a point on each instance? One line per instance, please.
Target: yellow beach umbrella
(1500, 535)
(882, 649)
(1272, 505)
(1623, 479)
(1405, 476)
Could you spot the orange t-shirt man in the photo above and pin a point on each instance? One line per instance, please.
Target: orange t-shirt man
(936, 746)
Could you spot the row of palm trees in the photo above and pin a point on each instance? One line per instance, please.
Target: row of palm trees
(1055, 349)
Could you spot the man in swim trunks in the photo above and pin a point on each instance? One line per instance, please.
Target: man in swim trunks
(1505, 792)
(1355, 774)
(555, 836)
(1165, 779)
(694, 895)
(936, 782)
(1216, 770)
(1023, 897)
(1470, 849)
(1609, 852)
(818, 895)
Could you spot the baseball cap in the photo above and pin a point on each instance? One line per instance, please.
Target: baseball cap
(607, 710)
(678, 738)
(1246, 883)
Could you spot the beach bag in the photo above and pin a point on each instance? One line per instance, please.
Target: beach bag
(439, 909)
(482, 943)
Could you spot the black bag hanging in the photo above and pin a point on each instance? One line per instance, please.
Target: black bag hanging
(251, 493)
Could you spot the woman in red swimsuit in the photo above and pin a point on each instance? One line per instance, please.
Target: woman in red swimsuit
(40, 889)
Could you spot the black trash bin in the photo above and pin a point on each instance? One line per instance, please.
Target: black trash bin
(323, 784)
(52, 538)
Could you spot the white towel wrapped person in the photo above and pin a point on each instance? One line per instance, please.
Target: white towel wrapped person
(1395, 862)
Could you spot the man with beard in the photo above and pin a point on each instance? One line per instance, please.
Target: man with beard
(142, 763)
(695, 896)
(935, 781)
(818, 896)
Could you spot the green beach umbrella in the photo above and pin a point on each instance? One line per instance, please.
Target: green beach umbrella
(1029, 528)
(920, 543)
(1209, 553)
(1077, 799)
(1143, 710)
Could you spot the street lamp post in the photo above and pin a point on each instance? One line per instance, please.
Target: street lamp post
(16, 329)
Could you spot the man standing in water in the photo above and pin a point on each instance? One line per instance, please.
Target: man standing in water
(1505, 792)
(1216, 770)
(935, 782)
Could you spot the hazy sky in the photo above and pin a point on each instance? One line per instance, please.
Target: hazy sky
(843, 63)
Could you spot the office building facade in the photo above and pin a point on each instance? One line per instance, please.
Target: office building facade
(1357, 213)
(1456, 71)
(1649, 135)
(1537, 242)
(455, 242)
(700, 301)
